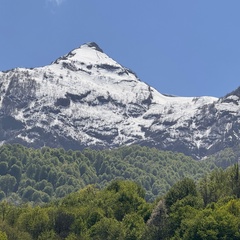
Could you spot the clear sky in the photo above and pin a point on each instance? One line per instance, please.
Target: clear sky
(180, 47)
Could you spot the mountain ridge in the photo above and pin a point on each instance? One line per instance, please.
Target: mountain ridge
(87, 99)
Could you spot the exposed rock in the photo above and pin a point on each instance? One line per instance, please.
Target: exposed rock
(86, 99)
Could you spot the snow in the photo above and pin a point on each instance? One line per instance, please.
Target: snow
(92, 75)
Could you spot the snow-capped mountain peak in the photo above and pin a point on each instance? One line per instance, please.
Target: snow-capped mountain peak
(89, 53)
(93, 45)
(86, 99)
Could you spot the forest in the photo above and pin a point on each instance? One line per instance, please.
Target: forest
(127, 193)
(41, 175)
(206, 209)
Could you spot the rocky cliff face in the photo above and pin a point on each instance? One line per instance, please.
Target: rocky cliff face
(86, 99)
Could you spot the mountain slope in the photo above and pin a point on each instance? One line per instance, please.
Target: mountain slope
(86, 99)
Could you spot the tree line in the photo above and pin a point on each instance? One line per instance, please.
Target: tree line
(42, 175)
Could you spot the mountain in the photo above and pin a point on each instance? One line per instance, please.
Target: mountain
(86, 99)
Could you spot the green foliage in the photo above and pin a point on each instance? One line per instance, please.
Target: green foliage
(225, 158)
(49, 235)
(180, 190)
(12, 232)
(134, 225)
(120, 211)
(210, 224)
(93, 194)
(220, 184)
(7, 183)
(107, 228)
(63, 221)
(102, 194)
(128, 197)
(3, 236)
(35, 221)
(41, 175)
(89, 213)
(208, 210)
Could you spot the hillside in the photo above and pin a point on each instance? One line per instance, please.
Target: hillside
(42, 175)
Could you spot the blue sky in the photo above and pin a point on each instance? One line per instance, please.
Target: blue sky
(185, 48)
